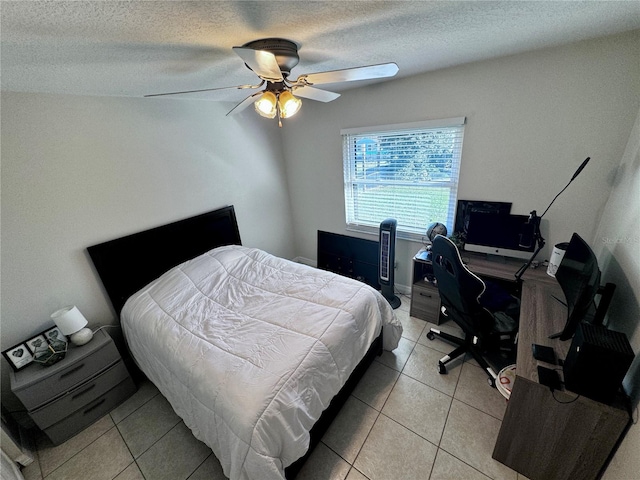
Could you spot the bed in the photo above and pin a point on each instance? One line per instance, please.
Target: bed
(254, 352)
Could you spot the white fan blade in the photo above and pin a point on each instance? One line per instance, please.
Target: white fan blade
(315, 94)
(263, 63)
(244, 104)
(382, 70)
(239, 87)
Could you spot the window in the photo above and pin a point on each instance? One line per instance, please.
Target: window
(408, 172)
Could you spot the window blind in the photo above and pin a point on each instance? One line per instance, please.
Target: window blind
(408, 172)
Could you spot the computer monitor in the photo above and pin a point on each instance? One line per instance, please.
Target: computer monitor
(498, 234)
(464, 209)
(579, 277)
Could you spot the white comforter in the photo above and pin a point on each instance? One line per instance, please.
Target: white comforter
(249, 349)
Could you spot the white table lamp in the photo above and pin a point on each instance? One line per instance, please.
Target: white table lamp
(71, 322)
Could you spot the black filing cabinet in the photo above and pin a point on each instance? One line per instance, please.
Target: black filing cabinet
(64, 398)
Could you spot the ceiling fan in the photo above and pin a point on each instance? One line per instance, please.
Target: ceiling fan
(272, 60)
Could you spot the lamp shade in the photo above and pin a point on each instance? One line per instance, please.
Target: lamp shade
(266, 105)
(69, 320)
(289, 105)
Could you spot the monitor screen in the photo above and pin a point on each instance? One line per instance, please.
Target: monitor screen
(498, 234)
(466, 207)
(579, 277)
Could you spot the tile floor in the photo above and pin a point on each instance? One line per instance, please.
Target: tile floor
(404, 421)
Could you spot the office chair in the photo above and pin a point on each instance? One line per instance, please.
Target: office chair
(460, 296)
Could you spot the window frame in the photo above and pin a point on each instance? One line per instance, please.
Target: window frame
(347, 134)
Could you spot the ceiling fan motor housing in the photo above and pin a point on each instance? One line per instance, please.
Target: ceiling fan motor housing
(285, 51)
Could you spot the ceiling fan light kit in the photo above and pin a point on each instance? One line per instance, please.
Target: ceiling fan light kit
(282, 103)
(266, 105)
(272, 60)
(288, 104)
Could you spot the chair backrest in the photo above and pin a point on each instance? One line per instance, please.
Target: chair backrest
(459, 288)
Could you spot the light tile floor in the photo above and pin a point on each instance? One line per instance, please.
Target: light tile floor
(404, 421)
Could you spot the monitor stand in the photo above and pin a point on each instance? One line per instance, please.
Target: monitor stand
(496, 258)
(606, 294)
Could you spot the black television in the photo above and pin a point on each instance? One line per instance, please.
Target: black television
(579, 277)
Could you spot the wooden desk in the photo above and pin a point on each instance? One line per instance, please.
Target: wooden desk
(425, 301)
(548, 435)
(557, 435)
(504, 270)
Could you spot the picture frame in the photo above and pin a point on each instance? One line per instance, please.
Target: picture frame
(19, 356)
(36, 342)
(54, 334)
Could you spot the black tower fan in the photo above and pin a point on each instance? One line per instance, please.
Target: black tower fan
(387, 260)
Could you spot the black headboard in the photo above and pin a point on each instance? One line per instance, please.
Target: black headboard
(127, 264)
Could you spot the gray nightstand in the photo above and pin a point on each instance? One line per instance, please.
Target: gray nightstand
(68, 396)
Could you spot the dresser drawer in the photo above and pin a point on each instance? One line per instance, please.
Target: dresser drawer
(91, 412)
(39, 385)
(425, 302)
(80, 396)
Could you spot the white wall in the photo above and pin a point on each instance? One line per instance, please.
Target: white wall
(531, 120)
(81, 170)
(617, 244)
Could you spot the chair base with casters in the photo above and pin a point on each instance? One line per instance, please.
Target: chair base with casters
(467, 344)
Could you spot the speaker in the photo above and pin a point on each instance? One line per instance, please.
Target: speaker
(386, 261)
(597, 361)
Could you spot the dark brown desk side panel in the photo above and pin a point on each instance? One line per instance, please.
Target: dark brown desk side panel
(543, 438)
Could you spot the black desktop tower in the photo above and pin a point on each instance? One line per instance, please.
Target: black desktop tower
(597, 361)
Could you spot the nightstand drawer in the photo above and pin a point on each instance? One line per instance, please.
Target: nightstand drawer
(80, 396)
(91, 412)
(425, 302)
(80, 364)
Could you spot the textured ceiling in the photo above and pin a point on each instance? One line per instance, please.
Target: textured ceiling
(143, 47)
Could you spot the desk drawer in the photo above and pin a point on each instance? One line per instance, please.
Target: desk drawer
(91, 412)
(425, 302)
(36, 394)
(80, 396)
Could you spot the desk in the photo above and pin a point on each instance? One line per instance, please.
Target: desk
(504, 270)
(425, 301)
(556, 435)
(545, 435)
